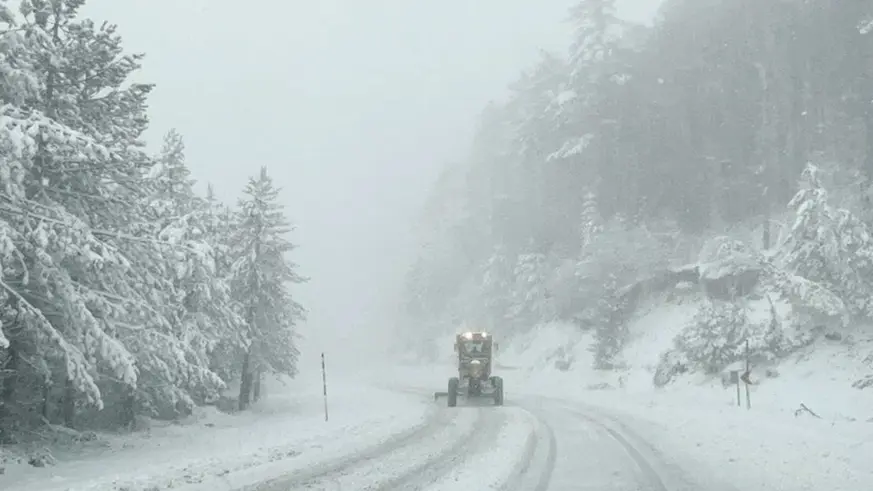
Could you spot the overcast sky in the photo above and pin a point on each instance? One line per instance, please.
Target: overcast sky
(351, 104)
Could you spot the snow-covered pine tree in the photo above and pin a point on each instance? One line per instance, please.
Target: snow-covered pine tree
(610, 330)
(593, 63)
(532, 301)
(202, 311)
(85, 75)
(217, 221)
(830, 246)
(262, 278)
(171, 178)
(54, 323)
(717, 336)
(591, 222)
(598, 31)
(88, 165)
(495, 289)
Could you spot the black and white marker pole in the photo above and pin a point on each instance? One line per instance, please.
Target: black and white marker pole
(324, 385)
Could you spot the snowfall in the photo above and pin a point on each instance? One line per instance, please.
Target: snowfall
(561, 429)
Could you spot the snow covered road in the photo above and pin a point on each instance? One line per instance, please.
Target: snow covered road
(533, 443)
(397, 438)
(428, 457)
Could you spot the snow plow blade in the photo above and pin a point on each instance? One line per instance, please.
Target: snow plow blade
(437, 395)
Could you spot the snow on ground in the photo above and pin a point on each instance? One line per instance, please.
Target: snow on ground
(753, 450)
(506, 454)
(651, 333)
(696, 419)
(216, 451)
(694, 422)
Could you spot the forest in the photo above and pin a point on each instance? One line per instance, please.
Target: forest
(124, 293)
(729, 136)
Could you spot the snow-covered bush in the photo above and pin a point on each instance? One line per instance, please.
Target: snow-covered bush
(716, 337)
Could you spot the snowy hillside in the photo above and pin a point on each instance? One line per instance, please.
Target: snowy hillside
(819, 376)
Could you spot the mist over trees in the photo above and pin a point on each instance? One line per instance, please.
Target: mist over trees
(123, 292)
(731, 138)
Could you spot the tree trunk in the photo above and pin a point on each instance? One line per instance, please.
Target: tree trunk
(46, 399)
(245, 386)
(128, 408)
(69, 403)
(7, 391)
(868, 125)
(256, 387)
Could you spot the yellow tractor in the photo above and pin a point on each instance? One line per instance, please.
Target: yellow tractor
(475, 355)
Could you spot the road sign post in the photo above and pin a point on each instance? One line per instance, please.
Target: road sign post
(746, 379)
(324, 384)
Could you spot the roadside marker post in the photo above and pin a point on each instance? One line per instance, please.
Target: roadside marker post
(324, 384)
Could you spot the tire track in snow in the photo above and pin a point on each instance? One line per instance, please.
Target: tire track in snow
(537, 462)
(531, 470)
(652, 478)
(520, 457)
(404, 463)
(434, 423)
(488, 425)
(657, 471)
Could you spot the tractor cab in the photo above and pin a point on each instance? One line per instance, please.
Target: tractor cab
(475, 352)
(474, 345)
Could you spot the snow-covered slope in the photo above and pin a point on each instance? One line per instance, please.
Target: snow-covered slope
(819, 376)
(807, 427)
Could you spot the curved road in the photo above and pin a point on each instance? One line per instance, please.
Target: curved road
(531, 444)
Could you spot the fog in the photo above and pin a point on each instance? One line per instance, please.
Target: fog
(353, 106)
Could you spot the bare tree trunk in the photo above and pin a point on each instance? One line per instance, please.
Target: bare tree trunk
(868, 124)
(7, 390)
(128, 408)
(245, 386)
(46, 398)
(69, 403)
(256, 387)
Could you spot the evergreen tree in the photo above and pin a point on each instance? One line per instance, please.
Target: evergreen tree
(262, 277)
(831, 246)
(610, 331)
(115, 277)
(717, 336)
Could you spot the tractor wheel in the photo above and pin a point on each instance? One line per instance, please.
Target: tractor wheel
(453, 391)
(498, 390)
